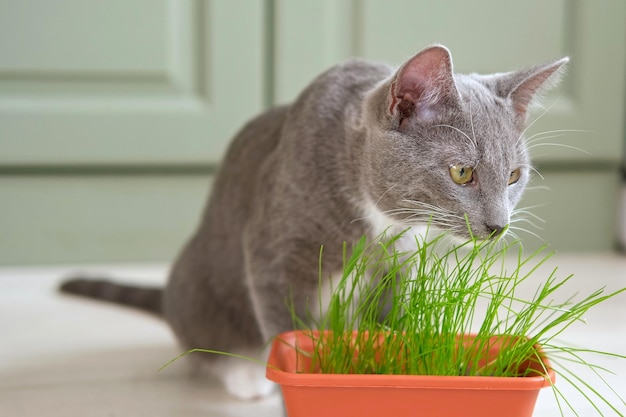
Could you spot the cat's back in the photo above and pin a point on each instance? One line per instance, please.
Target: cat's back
(343, 85)
(354, 74)
(282, 136)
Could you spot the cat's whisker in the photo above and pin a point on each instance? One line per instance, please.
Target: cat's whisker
(521, 136)
(397, 211)
(539, 174)
(447, 219)
(547, 134)
(424, 215)
(412, 213)
(559, 145)
(437, 222)
(383, 194)
(538, 188)
(512, 234)
(428, 206)
(472, 141)
(472, 121)
(406, 209)
(536, 171)
(522, 229)
(524, 220)
(429, 211)
(537, 139)
(457, 129)
(526, 211)
(521, 215)
(564, 131)
(541, 138)
(358, 219)
(368, 217)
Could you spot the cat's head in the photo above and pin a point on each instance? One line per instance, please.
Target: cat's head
(450, 145)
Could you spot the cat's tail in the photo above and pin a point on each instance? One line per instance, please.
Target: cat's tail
(148, 299)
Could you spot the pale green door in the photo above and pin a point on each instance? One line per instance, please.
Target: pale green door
(112, 114)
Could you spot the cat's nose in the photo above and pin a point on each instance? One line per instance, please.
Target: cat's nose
(495, 230)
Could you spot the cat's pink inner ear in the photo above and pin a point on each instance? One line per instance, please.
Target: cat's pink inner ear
(422, 84)
(523, 94)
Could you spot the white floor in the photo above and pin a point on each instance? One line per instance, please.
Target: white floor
(63, 356)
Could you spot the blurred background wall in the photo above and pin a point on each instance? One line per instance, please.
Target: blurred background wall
(114, 114)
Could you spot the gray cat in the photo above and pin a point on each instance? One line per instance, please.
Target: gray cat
(362, 149)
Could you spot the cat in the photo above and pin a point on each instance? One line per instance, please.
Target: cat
(363, 148)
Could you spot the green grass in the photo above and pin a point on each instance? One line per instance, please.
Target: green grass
(393, 312)
(408, 309)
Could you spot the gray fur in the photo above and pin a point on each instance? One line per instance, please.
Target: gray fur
(362, 135)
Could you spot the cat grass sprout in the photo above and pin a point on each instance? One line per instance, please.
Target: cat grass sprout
(429, 311)
(419, 303)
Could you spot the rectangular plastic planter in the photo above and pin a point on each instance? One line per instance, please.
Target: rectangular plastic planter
(308, 394)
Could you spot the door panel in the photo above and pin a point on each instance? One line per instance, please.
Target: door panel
(469, 29)
(113, 115)
(98, 218)
(118, 82)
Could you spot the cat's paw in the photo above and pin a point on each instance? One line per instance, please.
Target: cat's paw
(247, 381)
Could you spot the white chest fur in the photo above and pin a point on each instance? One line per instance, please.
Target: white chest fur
(382, 225)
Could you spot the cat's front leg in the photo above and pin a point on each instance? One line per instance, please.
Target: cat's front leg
(279, 292)
(272, 287)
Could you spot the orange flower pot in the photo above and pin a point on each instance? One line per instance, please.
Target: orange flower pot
(310, 394)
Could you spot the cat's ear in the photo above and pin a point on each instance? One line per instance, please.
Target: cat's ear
(522, 87)
(423, 86)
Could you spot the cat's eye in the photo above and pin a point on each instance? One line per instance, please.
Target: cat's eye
(515, 176)
(462, 175)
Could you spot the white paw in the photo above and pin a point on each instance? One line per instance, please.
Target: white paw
(246, 381)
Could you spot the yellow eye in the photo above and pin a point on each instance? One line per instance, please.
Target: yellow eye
(461, 175)
(515, 175)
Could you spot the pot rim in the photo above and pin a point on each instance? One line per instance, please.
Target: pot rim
(280, 370)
